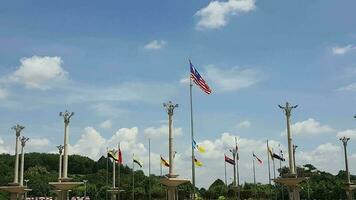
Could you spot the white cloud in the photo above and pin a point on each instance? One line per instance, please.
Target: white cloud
(96, 141)
(216, 14)
(244, 124)
(161, 132)
(37, 143)
(321, 157)
(106, 124)
(39, 72)
(155, 45)
(342, 50)
(350, 133)
(3, 147)
(233, 79)
(309, 127)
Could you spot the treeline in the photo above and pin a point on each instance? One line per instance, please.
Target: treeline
(41, 168)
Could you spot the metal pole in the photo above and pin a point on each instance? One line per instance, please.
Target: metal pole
(225, 171)
(280, 168)
(149, 168)
(192, 136)
(119, 171)
(133, 177)
(269, 166)
(254, 171)
(234, 157)
(113, 171)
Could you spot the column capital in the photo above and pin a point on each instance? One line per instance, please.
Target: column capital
(18, 128)
(170, 107)
(66, 116)
(288, 109)
(24, 140)
(344, 140)
(60, 149)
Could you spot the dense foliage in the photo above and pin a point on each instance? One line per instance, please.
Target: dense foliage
(41, 168)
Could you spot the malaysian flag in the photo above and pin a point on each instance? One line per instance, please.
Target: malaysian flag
(194, 74)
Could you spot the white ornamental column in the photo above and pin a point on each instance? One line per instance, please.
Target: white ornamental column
(60, 151)
(18, 128)
(23, 143)
(66, 116)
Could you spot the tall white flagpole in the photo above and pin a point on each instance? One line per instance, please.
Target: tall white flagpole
(192, 134)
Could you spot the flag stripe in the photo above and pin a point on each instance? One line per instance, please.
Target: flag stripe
(229, 160)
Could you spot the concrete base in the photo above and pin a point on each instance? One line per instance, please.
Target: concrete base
(64, 187)
(171, 184)
(114, 192)
(349, 188)
(293, 186)
(15, 191)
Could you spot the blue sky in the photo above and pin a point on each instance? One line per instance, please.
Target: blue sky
(115, 63)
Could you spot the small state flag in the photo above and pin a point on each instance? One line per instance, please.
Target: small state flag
(195, 76)
(198, 147)
(198, 163)
(164, 162)
(229, 160)
(270, 152)
(111, 154)
(259, 160)
(119, 159)
(278, 157)
(138, 162)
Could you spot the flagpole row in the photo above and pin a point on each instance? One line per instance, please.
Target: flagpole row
(269, 165)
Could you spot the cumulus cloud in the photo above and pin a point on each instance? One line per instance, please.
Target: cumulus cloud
(342, 50)
(350, 133)
(233, 79)
(39, 72)
(321, 156)
(37, 143)
(161, 132)
(155, 45)
(216, 14)
(106, 124)
(3, 147)
(309, 127)
(244, 124)
(127, 137)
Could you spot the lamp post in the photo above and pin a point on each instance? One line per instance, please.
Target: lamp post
(18, 128)
(85, 188)
(60, 151)
(344, 141)
(66, 117)
(23, 143)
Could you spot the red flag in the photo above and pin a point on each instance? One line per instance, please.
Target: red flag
(259, 160)
(119, 159)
